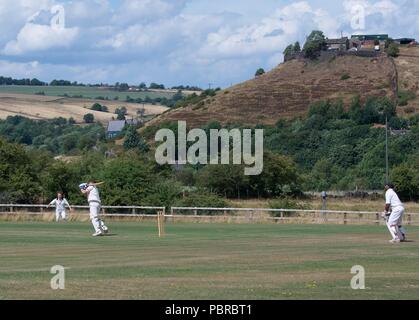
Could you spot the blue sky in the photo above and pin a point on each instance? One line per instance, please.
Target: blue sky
(191, 42)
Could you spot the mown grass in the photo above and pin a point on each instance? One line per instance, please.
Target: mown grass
(205, 261)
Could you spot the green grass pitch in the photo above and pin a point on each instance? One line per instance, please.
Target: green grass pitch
(205, 261)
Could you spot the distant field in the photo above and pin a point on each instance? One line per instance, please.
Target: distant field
(48, 107)
(206, 261)
(86, 92)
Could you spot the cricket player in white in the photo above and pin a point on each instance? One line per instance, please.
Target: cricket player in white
(60, 204)
(394, 211)
(90, 189)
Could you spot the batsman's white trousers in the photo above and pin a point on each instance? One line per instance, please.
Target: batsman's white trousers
(94, 216)
(394, 223)
(396, 216)
(60, 214)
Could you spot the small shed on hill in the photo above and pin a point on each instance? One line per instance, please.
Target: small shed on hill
(341, 44)
(115, 127)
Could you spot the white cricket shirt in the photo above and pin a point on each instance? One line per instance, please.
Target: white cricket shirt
(93, 194)
(60, 204)
(392, 199)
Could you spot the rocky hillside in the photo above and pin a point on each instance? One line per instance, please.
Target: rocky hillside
(290, 88)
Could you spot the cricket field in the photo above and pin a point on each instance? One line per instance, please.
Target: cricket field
(206, 261)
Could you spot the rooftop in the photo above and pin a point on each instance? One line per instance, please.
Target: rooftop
(337, 41)
(116, 125)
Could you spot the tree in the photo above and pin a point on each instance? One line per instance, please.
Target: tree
(393, 50)
(99, 107)
(297, 47)
(133, 180)
(134, 141)
(289, 50)
(315, 43)
(156, 86)
(388, 42)
(120, 116)
(123, 87)
(89, 118)
(406, 179)
(259, 72)
(121, 113)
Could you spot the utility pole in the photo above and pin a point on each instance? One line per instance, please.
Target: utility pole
(209, 86)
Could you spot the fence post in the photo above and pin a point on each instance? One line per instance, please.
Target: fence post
(133, 211)
(195, 212)
(282, 216)
(11, 209)
(377, 217)
(409, 219)
(345, 218)
(251, 216)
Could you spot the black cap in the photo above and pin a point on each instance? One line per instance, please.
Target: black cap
(389, 184)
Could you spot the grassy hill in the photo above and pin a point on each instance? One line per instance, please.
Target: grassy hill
(408, 70)
(289, 89)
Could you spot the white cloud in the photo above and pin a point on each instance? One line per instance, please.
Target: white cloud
(15, 13)
(37, 37)
(141, 11)
(167, 42)
(270, 35)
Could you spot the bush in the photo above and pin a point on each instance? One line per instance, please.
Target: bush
(393, 50)
(345, 77)
(99, 107)
(199, 199)
(285, 203)
(259, 72)
(89, 118)
(405, 96)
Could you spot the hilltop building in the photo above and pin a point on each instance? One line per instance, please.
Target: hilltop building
(382, 38)
(341, 44)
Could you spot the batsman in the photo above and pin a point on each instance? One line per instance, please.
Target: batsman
(393, 214)
(92, 192)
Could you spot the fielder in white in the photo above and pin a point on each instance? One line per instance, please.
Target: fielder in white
(90, 189)
(393, 214)
(60, 204)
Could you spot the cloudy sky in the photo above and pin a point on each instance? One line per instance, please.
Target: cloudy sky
(191, 42)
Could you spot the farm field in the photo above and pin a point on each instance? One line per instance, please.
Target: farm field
(49, 107)
(205, 261)
(86, 92)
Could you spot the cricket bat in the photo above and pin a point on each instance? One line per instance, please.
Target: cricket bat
(97, 183)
